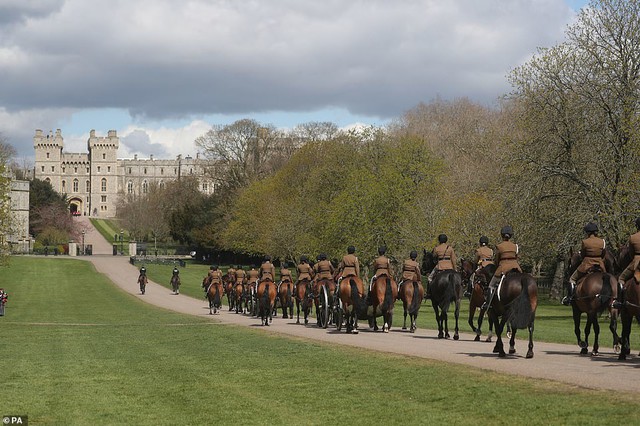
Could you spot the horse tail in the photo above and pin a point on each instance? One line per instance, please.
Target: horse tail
(264, 301)
(216, 297)
(605, 293)
(359, 303)
(288, 292)
(449, 292)
(521, 310)
(387, 303)
(415, 302)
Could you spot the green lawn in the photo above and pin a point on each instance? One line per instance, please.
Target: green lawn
(77, 350)
(554, 322)
(109, 229)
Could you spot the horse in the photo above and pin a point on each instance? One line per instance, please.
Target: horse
(229, 281)
(214, 296)
(479, 287)
(445, 288)
(285, 296)
(250, 301)
(630, 310)
(411, 293)
(354, 305)
(593, 295)
(381, 298)
(142, 280)
(238, 296)
(266, 296)
(175, 284)
(303, 299)
(515, 303)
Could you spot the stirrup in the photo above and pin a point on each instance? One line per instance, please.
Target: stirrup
(617, 304)
(566, 301)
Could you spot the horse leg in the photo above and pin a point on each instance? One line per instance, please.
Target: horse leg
(499, 348)
(530, 351)
(472, 313)
(456, 334)
(626, 319)
(445, 318)
(576, 328)
(596, 336)
(404, 324)
(210, 306)
(512, 342)
(613, 326)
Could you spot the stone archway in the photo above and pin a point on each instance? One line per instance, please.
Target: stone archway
(75, 207)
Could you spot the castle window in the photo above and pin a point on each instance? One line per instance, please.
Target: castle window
(75, 170)
(103, 198)
(161, 185)
(64, 186)
(43, 168)
(175, 170)
(129, 170)
(145, 170)
(87, 170)
(129, 187)
(104, 156)
(87, 186)
(161, 171)
(145, 187)
(47, 155)
(48, 181)
(53, 168)
(75, 185)
(190, 171)
(205, 187)
(98, 169)
(103, 185)
(108, 169)
(63, 169)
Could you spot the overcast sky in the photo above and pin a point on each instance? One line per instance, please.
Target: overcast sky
(161, 72)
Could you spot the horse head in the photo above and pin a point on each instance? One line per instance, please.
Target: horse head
(624, 256)
(428, 262)
(467, 268)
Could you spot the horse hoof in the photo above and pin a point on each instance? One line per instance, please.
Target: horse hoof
(354, 332)
(529, 354)
(616, 349)
(477, 339)
(512, 351)
(447, 336)
(488, 339)
(413, 330)
(456, 337)
(404, 328)
(622, 357)
(583, 351)
(582, 344)
(595, 353)
(502, 354)
(496, 349)
(298, 322)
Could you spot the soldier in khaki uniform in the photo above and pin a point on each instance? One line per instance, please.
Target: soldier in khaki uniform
(484, 257)
(349, 266)
(267, 270)
(381, 266)
(634, 250)
(324, 269)
(305, 271)
(592, 251)
(241, 275)
(445, 255)
(410, 270)
(252, 275)
(507, 259)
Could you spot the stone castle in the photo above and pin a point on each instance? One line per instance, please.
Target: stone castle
(95, 180)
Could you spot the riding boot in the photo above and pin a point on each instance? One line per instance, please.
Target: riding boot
(566, 301)
(492, 289)
(467, 292)
(619, 302)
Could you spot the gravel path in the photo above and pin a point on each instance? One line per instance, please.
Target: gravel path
(551, 361)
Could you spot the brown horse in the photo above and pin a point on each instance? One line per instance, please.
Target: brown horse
(303, 299)
(266, 296)
(285, 296)
(250, 298)
(630, 310)
(411, 293)
(142, 280)
(381, 298)
(175, 284)
(214, 296)
(445, 288)
(238, 293)
(228, 281)
(479, 288)
(515, 303)
(594, 294)
(352, 302)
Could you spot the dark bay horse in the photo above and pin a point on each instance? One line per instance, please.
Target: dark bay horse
(445, 288)
(142, 280)
(175, 284)
(303, 299)
(479, 288)
(593, 295)
(411, 293)
(285, 296)
(381, 298)
(214, 296)
(228, 281)
(266, 295)
(630, 310)
(354, 304)
(514, 303)
(238, 293)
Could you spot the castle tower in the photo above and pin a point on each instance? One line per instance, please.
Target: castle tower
(103, 153)
(48, 157)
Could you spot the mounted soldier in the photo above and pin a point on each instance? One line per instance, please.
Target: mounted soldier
(507, 260)
(445, 257)
(381, 266)
(410, 270)
(267, 270)
(634, 251)
(484, 257)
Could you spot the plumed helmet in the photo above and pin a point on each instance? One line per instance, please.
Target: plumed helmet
(506, 230)
(304, 258)
(382, 250)
(484, 240)
(590, 228)
(413, 255)
(442, 238)
(638, 223)
(351, 249)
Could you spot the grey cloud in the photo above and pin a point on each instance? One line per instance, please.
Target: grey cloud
(139, 142)
(168, 58)
(17, 11)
